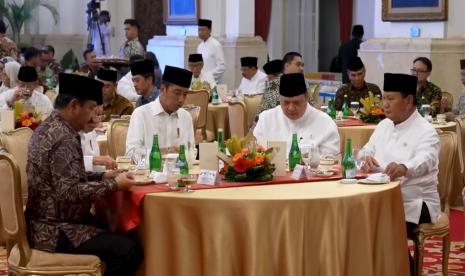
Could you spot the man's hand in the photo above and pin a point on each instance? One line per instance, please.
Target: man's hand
(112, 174)
(395, 170)
(125, 181)
(106, 161)
(370, 162)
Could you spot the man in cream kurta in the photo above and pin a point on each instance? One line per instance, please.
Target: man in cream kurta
(164, 116)
(200, 77)
(253, 80)
(406, 146)
(211, 50)
(294, 114)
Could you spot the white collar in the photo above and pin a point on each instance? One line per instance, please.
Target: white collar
(407, 123)
(158, 109)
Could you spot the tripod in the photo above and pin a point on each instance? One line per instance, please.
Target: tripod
(93, 18)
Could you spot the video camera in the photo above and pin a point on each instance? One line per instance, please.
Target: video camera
(92, 9)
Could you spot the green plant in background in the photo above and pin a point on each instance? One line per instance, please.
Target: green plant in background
(69, 61)
(18, 14)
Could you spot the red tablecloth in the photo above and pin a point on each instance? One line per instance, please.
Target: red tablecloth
(121, 211)
(352, 122)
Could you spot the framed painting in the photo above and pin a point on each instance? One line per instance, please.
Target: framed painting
(414, 10)
(181, 12)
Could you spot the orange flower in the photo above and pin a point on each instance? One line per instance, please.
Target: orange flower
(23, 116)
(259, 159)
(240, 166)
(26, 123)
(250, 163)
(237, 156)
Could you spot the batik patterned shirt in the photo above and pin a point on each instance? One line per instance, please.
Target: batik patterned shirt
(460, 108)
(131, 48)
(8, 48)
(270, 98)
(355, 94)
(433, 96)
(60, 191)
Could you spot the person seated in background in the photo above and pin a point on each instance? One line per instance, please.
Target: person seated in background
(8, 47)
(349, 50)
(9, 75)
(273, 70)
(156, 69)
(459, 110)
(61, 193)
(30, 91)
(132, 46)
(164, 116)
(293, 63)
(53, 64)
(47, 77)
(90, 62)
(200, 78)
(113, 104)
(90, 147)
(296, 115)
(427, 92)
(125, 86)
(142, 77)
(357, 88)
(406, 147)
(253, 80)
(32, 57)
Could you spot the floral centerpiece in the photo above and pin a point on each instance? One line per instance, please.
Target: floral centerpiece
(249, 162)
(28, 119)
(371, 111)
(199, 85)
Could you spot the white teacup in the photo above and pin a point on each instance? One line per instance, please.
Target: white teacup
(441, 118)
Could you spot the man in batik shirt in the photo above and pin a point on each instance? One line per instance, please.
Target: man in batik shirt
(61, 192)
(132, 46)
(7, 47)
(427, 92)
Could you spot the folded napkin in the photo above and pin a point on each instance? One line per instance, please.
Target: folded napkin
(159, 177)
(378, 178)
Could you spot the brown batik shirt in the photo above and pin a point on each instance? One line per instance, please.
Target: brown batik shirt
(60, 191)
(354, 94)
(119, 106)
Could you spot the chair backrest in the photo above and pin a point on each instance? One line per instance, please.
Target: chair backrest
(16, 142)
(447, 153)
(194, 111)
(199, 98)
(11, 207)
(237, 119)
(461, 139)
(51, 95)
(314, 91)
(447, 100)
(252, 102)
(116, 137)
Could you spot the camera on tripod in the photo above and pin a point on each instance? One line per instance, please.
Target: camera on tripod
(92, 9)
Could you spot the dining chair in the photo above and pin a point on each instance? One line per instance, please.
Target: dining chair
(237, 119)
(22, 260)
(252, 102)
(199, 98)
(51, 95)
(448, 140)
(116, 137)
(447, 100)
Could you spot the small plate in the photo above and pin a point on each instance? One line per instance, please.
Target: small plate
(323, 173)
(143, 179)
(367, 182)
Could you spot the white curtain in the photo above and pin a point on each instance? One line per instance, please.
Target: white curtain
(294, 27)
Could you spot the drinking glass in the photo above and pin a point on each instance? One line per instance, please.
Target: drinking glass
(173, 173)
(139, 158)
(305, 151)
(354, 107)
(314, 158)
(359, 157)
(425, 110)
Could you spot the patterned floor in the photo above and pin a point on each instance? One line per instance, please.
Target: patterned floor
(433, 249)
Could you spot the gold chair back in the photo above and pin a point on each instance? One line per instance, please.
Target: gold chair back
(252, 102)
(116, 137)
(461, 139)
(16, 142)
(447, 101)
(51, 95)
(22, 260)
(447, 155)
(314, 94)
(199, 98)
(237, 119)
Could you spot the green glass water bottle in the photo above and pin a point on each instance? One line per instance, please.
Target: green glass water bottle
(215, 99)
(345, 106)
(348, 164)
(294, 154)
(331, 109)
(155, 155)
(220, 140)
(182, 161)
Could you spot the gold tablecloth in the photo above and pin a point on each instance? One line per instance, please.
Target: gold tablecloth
(217, 117)
(319, 228)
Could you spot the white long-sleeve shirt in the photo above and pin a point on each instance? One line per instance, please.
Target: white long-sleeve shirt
(126, 88)
(173, 129)
(254, 86)
(414, 143)
(90, 148)
(204, 76)
(38, 100)
(213, 58)
(314, 127)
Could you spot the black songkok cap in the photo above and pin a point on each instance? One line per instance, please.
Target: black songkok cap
(81, 87)
(249, 62)
(292, 85)
(405, 84)
(357, 30)
(462, 64)
(178, 76)
(142, 67)
(27, 74)
(355, 64)
(205, 23)
(107, 75)
(195, 58)
(273, 67)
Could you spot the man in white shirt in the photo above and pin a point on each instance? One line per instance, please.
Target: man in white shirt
(253, 80)
(406, 147)
(296, 115)
(211, 50)
(144, 81)
(30, 91)
(164, 116)
(200, 78)
(125, 85)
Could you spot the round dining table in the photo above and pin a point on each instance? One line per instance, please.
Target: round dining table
(313, 228)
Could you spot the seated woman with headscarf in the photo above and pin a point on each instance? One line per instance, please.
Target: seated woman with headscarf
(9, 75)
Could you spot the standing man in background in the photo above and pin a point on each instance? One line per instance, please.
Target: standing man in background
(132, 46)
(349, 50)
(211, 50)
